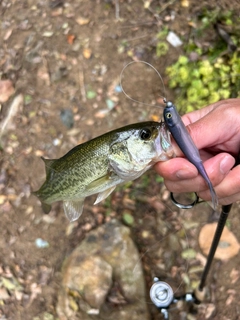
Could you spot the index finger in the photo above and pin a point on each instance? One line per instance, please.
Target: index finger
(216, 126)
(196, 115)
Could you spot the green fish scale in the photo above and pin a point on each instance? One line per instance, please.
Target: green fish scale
(70, 174)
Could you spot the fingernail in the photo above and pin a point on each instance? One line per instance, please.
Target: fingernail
(225, 165)
(184, 174)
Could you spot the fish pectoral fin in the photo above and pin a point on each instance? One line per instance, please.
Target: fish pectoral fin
(73, 209)
(98, 183)
(103, 182)
(103, 195)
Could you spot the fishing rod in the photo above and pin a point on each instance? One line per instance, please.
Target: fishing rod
(161, 292)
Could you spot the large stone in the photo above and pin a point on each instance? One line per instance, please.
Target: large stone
(103, 276)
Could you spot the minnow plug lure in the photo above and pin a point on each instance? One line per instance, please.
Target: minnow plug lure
(185, 142)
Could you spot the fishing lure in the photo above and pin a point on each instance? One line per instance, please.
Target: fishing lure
(185, 142)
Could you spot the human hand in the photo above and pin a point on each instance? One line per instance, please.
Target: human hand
(216, 132)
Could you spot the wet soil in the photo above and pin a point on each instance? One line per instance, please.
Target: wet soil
(69, 56)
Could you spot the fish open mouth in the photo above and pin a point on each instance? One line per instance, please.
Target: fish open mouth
(163, 144)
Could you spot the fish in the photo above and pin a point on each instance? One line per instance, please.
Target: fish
(99, 165)
(186, 144)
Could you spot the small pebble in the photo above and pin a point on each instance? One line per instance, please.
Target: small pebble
(67, 118)
(40, 243)
(173, 39)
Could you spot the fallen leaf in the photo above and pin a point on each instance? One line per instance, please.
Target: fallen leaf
(201, 259)
(210, 310)
(3, 198)
(35, 291)
(231, 297)
(4, 294)
(87, 53)
(48, 34)
(13, 109)
(147, 4)
(6, 90)
(81, 21)
(90, 122)
(11, 284)
(43, 74)
(234, 275)
(57, 12)
(70, 38)
(228, 246)
(155, 117)
(39, 153)
(101, 113)
(188, 254)
(7, 34)
(185, 3)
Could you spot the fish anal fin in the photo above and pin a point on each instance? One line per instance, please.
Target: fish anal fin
(48, 163)
(73, 209)
(46, 207)
(103, 195)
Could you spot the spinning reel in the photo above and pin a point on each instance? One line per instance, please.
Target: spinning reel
(161, 293)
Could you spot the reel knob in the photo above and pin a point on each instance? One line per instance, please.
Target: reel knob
(161, 294)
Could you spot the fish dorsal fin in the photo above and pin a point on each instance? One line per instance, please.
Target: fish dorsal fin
(48, 163)
(73, 209)
(103, 195)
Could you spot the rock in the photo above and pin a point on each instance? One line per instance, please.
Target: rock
(228, 246)
(103, 277)
(67, 118)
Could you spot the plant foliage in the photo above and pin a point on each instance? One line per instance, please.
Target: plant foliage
(214, 72)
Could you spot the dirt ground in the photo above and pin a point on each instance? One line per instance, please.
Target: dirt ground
(68, 56)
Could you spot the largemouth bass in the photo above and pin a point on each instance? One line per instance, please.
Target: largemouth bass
(99, 165)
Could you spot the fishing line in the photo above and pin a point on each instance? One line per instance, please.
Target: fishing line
(128, 96)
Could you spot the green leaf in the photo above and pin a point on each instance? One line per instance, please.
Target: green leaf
(91, 94)
(128, 218)
(27, 99)
(188, 254)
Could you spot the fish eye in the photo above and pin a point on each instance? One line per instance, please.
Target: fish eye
(145, 134)
(169, 115)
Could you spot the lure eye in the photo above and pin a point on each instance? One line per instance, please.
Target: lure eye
(168, 115)
(145, 134)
